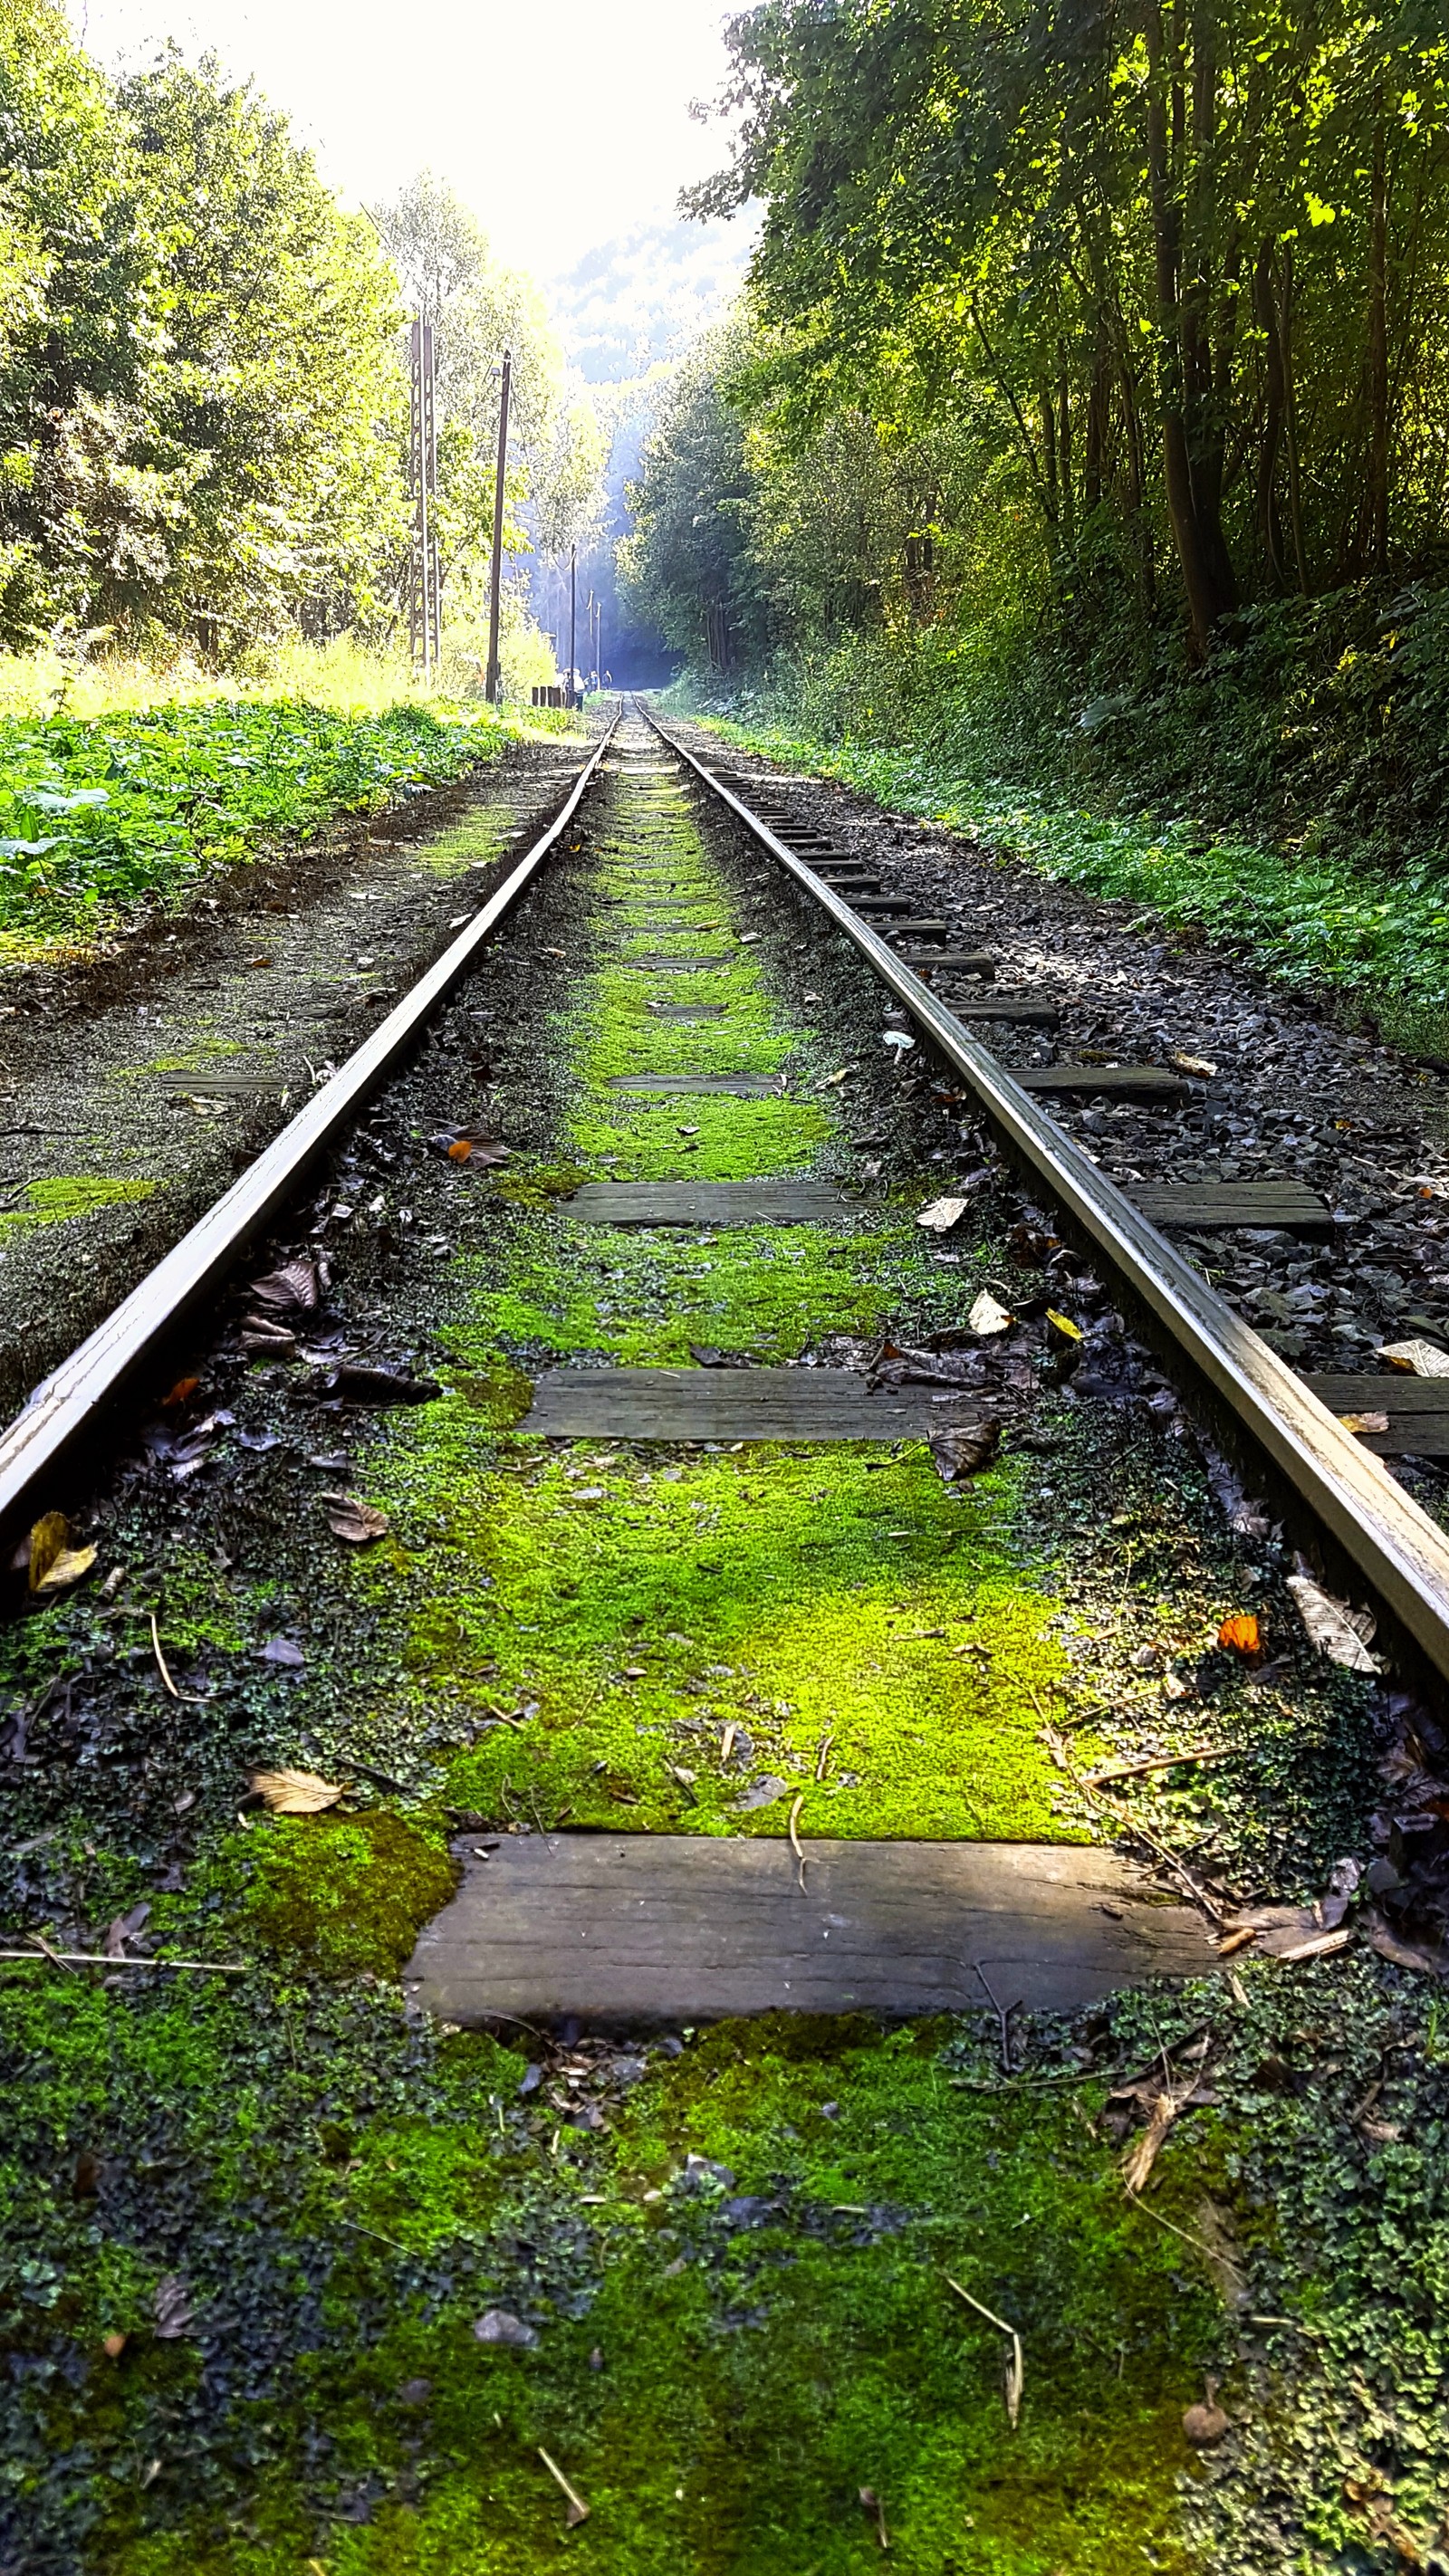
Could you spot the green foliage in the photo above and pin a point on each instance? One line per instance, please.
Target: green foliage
(99, 816)
(195, 359)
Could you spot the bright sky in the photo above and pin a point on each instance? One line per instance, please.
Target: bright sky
(562, 124)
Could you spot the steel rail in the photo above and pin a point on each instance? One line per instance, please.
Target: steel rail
(1399, 1550)
(67, 1404)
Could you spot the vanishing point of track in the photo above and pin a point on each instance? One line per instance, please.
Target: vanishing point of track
(1396, 1548)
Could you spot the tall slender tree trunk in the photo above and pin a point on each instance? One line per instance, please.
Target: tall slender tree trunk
(1185, 390)
(1378, 348)
(1265, 313)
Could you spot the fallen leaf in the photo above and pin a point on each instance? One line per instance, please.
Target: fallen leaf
(1064, 1324)
(1418, 1359)
(295, 1793)
(1359, 1422)
(762, 1793)
(1403, 1954)
(294, 1284)
(1143, 2155)
(942, 1214)
(962, 1450)
(53, 1562)
(280, 1650)
(354, 1521)
(987, 1316)
(182, 1392)
(500, 2325)
(173, 2307)
(1197, 1064)
(1205, 2423)
(1240, 1631)
(113, 2345)
(1338, 1632)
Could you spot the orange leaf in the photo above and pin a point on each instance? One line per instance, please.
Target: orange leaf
(182, 1392)
(459, 1152)
(1241, 1632)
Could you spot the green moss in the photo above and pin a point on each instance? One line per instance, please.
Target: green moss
(727, 2354)
(346, 1893)
(57, 1199)
(639, 1612)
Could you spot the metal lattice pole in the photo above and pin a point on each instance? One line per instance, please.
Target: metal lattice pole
(425, 614)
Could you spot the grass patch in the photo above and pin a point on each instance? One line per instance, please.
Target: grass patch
(100, 815)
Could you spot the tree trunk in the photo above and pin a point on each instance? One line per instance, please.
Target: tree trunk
(1265, 312)
(1378, 349)
(1201, 551)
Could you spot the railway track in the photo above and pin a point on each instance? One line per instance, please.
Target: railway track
(1294, 1423)
(1385, 1535)
(679, 1597)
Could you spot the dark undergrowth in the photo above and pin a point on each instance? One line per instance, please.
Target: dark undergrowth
(1291, 799)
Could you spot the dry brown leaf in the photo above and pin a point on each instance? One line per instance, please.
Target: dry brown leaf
(1404, 1954)
(1338, 1632)
(963, 1448)
(294, 1284)
(987, 1316)
(113, 2345)
(942, 1214)
(53, 1562)
(1198, 1064)
(296, 1793)
(1359, 1422)
(356, 1522)
(1240, 1631)
(1143, 2156)
(1418, 1359)
(181, 1393)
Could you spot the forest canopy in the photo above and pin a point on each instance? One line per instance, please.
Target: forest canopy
(1162, 281)
(203, 409)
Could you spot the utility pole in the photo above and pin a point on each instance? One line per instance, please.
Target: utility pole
(493, 686)
(425, 613)
(573, 618)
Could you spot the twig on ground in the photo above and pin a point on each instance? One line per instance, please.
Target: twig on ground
(1159, 1762)
(578, 2510)
(1016, 2367)
(103, 1959)
(1003, 2017)
(161, 1660)
(795, 1837)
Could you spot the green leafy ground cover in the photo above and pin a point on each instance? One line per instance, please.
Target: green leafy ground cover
(101, 815)
(1376, 944)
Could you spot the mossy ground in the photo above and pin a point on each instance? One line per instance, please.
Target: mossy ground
(341, 2191)
(726, 2352)
(711, 1615)
(61, 1197)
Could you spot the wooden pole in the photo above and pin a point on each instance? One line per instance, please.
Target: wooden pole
(573, 618)
(493, 686)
